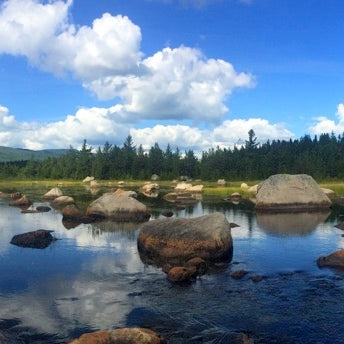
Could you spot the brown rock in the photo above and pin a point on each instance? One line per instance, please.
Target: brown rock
(63, 200)
(134, 335)
(36, 239)
(53, 193)
(175, 240)
(72, 212)
(335, 260)
(20, 202)
(238, 274)
(181, 274)
(199, 263)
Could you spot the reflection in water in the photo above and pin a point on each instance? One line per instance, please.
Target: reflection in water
(93, 279)
(290, 223)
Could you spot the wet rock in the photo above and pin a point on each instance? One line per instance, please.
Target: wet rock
(134, 335)
(119, 208)
(180, 239)
(238, 274)
(37, 239)
(286, 192)
(63, 200)
(20, 202)
(335, 260)
(180, 274)
(53, 193)
(199, 263)
(43, 209)
(257, 278)
(72, 212)
(167, 213)
(340, 226)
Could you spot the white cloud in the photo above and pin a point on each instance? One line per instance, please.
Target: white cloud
(325, 125)
(177, 83)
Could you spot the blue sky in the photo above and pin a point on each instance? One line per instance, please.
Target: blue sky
(192, 73)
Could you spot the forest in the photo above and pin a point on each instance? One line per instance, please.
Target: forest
(322, 157)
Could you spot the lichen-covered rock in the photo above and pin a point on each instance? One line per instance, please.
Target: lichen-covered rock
(37, 239)
(286, 192)
(334, 260)
(119, 208)
(180, 239)
(53, 193)
(135, 335)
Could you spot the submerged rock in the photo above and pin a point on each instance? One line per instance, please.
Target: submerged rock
(37, 239)
(180, 239)
(119, 208)
(335, 260)
(53, 193)
(135, 335)
(286, 192)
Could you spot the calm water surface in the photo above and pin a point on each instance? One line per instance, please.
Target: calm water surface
(93, 279)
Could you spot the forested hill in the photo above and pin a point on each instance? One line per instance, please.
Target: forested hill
(18, 154)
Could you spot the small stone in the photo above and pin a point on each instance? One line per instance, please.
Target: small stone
(238, 274)
(180, 274)
(199, 263)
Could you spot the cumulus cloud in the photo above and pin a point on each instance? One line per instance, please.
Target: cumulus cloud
(178, 83)
(326, 125)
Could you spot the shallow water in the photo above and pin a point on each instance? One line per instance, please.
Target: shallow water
(93, 279)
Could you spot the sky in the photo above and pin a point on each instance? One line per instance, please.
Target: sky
(192, 73)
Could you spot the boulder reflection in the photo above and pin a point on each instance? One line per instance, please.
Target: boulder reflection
(290, 224)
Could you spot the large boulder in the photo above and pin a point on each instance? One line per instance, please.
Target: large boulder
(286, 192)
(135, 335)
(38, 239)
(119, 208)
(334, 260)
(177, 240)
(53, 193)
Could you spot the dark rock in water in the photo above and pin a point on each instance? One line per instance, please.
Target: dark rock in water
(238, 274)
(335, 260)
(38, 239)
(72, 212)
(43, 209)
(340, 226)
(87, 219)
(9, 338)
(179, 274)
(257, 278)
(135, 335)
(233, 225)
(176, 240)
(199, 263)
(20, 202)
(70, 223)
(167, 213)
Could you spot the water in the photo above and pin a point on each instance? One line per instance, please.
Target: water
(93, 279)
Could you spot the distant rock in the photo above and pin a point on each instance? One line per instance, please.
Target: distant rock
(221, 182)
(88, 179)
(195, 188)
(244, 186)
(121, 183)
(286, 192)
(253, 189)
(334, 260)
(119, 208)
(37, 239)
(135, 335)
(53, 193)
(180, 187)
(155, 177)
(180, 239)
(121, 192)
(63, 200)
(150, 190)
(180, 198)
(94, 184)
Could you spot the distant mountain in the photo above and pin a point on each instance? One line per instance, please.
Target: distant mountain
(17, 154)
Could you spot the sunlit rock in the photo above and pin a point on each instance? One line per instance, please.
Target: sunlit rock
(334, 260)
(53, 193)
(285, 192)
(88, 179)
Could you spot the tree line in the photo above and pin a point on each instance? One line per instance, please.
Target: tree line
(322, 157)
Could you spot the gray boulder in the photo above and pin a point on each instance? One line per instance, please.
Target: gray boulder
(177, 240)
(286, 192)
(119, 208)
